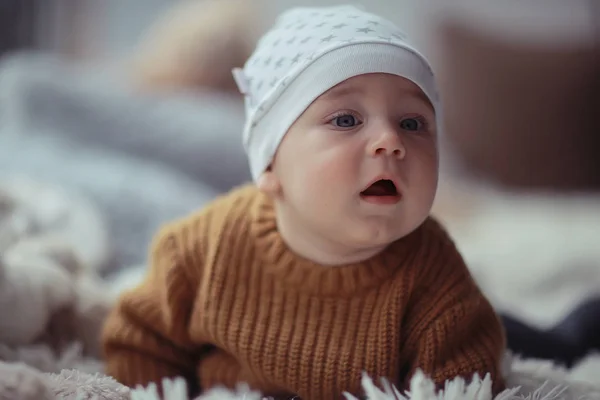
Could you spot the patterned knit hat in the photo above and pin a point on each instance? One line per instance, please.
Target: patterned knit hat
(306, 53)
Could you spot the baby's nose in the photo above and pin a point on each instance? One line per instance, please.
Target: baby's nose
(388, 143)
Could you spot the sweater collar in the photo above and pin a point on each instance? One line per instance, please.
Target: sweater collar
(299, 273)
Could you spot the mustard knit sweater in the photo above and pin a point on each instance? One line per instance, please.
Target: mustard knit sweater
(225, 301)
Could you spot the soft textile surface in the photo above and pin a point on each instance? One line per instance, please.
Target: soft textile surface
(526, 380)
(535, 255)
(142, 160)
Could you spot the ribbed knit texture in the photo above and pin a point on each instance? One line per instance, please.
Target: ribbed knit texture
(226, 301)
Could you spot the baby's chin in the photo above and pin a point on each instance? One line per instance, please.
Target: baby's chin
(374, 234)
(373, 231)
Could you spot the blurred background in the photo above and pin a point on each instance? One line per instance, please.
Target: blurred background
(127, 108)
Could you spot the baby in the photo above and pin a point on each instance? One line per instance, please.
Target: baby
(329, 265)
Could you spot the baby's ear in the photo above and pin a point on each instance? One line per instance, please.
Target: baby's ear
(269, 183)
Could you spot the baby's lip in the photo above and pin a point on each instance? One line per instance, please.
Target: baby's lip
(384, 177)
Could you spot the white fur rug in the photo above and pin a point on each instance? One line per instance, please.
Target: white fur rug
(526, 380)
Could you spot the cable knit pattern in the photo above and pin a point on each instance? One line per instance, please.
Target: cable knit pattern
(226, 301)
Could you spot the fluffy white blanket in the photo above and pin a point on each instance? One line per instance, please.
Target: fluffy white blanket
(526, 379)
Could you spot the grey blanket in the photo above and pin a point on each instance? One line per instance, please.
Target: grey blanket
(143, 160)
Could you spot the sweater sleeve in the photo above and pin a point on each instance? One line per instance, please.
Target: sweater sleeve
(146, 337)
(451, 329)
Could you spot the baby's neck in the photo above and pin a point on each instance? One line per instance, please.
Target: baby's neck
(320, 248)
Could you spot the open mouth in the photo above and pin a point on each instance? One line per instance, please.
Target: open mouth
(381, 191)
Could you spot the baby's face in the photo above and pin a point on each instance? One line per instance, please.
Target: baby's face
(361, 163)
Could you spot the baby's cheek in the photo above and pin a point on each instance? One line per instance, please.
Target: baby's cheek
(422, 163)
(331, 178)
(423, 185)
(339, 167)
(324, 184)
(427, 154)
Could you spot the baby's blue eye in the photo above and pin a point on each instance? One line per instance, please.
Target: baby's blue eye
(345, 121)
(411, 124)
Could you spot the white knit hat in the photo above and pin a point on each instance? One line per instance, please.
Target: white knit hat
(306, 53)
